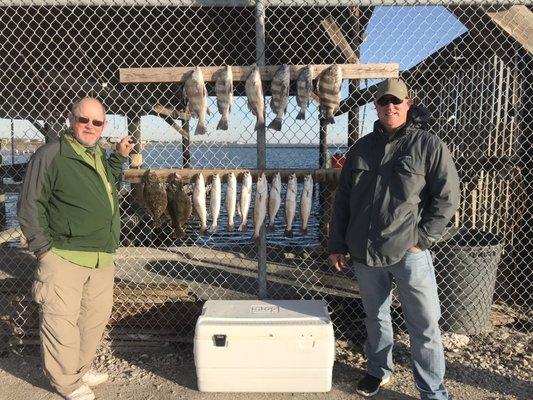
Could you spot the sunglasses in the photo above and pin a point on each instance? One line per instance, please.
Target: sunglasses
(85, 120)
(383, 101)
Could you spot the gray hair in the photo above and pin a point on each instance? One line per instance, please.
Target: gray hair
(77, 104)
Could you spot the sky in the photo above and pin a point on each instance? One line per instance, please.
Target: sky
(403, 35)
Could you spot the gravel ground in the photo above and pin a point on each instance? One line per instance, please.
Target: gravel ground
(496, 365)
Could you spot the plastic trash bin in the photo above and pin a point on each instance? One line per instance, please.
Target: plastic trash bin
(466, 265)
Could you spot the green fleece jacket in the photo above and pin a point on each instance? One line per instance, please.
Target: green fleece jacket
(64, 203)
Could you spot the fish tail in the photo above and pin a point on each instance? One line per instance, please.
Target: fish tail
(243, 227)
(271, 227)
(223, 124)
(288, 233)
(178, 233)
(329, 119)
(203, 231)
(260, 124)
(213, 228)
(200, 129)
(255, 237)
(303, 231)
(230, 228)
(301, 114)
(275, 124)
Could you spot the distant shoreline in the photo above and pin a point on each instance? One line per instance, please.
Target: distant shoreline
(30, 147)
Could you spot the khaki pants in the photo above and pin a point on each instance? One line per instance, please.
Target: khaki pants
(75, 304)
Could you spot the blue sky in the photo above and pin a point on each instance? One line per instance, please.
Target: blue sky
(403, 35)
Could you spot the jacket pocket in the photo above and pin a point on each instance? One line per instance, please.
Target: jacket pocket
(85, 227)
(407, 166)
(409, 180)
(362, 172)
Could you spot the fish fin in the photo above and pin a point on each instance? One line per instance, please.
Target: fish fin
(301, 114)
(259, 125)
(255, 237)
(178, 233)
(288, 233)
(230, 228)
(200, 130)
(203, 231)
(275, 124)
(208, 111)
(223, 124)
(213, 228)
(329, 120)
(242, 227)
(271, 228)
(303, 231)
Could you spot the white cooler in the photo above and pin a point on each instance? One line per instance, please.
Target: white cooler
(264, 346)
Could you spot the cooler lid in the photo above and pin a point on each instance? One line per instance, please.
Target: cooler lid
(278, 310)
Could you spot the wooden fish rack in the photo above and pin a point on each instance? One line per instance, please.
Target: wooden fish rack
(240, 73)
(186, 175)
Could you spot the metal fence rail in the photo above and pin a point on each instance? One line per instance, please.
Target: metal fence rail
(468, 62)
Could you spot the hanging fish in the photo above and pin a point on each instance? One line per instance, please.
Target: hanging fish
(256, 100)
(216, 194)
(198, 198)
(224, 90)
(306, 203)
(274, 201)
(231, 200)
(179, 206)
(280, 95)
(246, 197)
(154, 196)
(260, 206)
(290, 204)
(304, 88)
(329, 92)
(195, 92)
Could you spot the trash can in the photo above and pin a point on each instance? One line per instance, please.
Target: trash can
(466, 265)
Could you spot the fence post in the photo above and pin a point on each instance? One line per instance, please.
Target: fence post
(186, 144)
(261, 148)
(2, 196)
(2, 211)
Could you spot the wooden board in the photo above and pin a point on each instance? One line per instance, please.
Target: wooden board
(338, 39)
(319, 175)
(517, 21)
(240, 73)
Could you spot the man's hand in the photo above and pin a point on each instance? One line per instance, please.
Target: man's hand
(414, 249)
(338, 261)
(125, 146)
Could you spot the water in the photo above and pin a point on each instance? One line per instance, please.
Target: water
(229, 156)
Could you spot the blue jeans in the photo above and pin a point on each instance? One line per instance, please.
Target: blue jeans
(415, 278)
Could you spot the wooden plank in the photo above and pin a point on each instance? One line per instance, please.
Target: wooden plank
(338, 39)
(517, 21)
(319, 175)
(171, 112)
(240, 73)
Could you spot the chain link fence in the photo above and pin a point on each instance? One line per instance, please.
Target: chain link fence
(468, 62)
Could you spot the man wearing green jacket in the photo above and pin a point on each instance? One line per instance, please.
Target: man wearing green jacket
(398, 189)
(68, 210)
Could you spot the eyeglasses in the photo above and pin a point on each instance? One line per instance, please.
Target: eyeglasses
(383, 101)
(85, 120)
